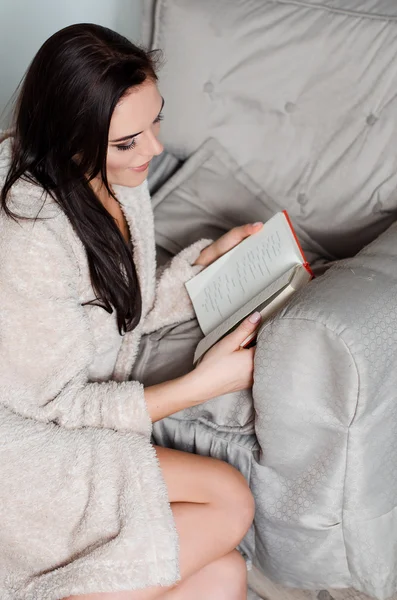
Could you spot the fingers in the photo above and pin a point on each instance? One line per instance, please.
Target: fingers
(233, 341)
(251, 354)
(235, 236)
(247, 366)
(226, 242)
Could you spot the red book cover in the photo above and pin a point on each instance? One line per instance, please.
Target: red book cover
(305, 263)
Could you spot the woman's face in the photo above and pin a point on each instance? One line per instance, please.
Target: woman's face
(133, 131)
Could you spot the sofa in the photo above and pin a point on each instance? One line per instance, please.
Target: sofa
(292, 104)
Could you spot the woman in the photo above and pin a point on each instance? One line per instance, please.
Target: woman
(90, 509)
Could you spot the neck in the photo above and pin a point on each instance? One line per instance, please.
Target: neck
(101, 192)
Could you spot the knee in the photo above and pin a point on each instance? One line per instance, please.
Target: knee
(232, 577)
(245, 508)
(237, 499)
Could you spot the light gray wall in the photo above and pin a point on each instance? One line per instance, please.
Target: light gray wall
(26, 24)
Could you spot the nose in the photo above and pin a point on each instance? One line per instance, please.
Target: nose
(152, 146)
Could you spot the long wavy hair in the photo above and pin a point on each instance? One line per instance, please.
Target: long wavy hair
(63, 111)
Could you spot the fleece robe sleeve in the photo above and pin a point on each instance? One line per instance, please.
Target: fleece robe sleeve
(46, 344)
(172, 303)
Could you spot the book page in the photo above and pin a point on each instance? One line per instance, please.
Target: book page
(248, 308)
(266, 302)
(234, 279)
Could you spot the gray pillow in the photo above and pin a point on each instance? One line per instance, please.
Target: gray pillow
(210, 195)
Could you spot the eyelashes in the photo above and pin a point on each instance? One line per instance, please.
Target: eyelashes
(128, 147)
(159, 118)
(132, 144)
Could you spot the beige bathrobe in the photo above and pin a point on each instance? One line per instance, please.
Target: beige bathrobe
(83, 506)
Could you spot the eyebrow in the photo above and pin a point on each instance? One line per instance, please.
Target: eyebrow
(128, 137)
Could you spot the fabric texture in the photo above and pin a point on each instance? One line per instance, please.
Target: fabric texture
(97, 516)
(208, 196)
(326, 422)
(302, 96)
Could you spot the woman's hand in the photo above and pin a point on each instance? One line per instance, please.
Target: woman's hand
(226, 243)
(227, 367)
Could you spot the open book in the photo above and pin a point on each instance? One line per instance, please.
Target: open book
(259, 274)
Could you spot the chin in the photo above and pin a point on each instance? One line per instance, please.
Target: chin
(132, 179)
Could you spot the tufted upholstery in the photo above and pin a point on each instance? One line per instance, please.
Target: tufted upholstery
(302, 96)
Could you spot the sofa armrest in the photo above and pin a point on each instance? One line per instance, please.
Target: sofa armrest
(325, 397)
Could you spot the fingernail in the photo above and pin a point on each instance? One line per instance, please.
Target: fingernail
(257, 223)
(255, 317)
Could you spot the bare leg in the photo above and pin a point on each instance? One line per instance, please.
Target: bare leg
(223, 579)
(213, 509)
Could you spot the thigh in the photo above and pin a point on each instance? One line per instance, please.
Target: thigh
(201, 479)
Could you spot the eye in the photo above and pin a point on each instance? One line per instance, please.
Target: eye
(127, 146)
(159, 118)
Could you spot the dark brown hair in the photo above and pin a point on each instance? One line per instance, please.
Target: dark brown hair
(63, 110)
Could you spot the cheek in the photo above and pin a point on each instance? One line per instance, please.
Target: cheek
(117, 160)
(118, 172)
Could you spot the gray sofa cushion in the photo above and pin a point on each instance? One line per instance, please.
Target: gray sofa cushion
(326, 420)
(302, 95)
(208, 196)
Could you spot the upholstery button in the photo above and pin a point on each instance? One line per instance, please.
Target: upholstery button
(208, 87)
(290, 107)
(371, 119)
(302, 199)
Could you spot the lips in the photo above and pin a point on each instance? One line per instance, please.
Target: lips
(141, 168)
